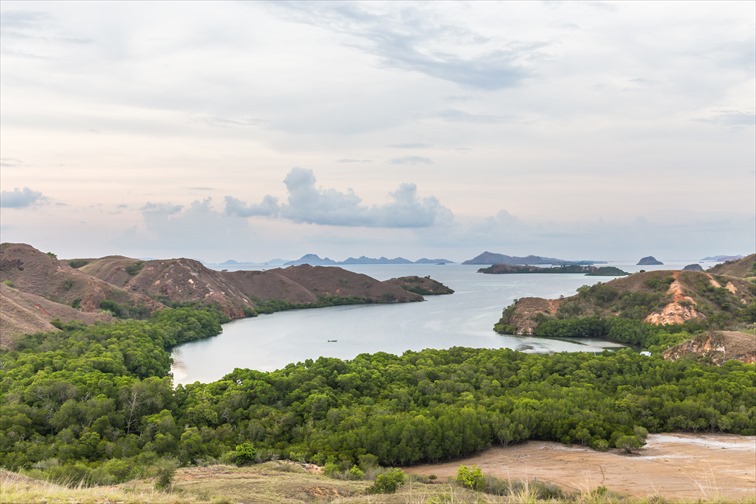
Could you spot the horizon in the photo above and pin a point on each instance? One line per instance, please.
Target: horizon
(280, 260)
(256, 130)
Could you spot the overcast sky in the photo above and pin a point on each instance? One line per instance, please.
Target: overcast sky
(254, 130)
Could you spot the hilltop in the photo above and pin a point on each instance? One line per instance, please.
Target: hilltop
(657, 297)
(39, 288)
(741, 268)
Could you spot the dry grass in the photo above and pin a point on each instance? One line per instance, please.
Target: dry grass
(282, 483)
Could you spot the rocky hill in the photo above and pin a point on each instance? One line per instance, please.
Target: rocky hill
(658, 297)
(24, 313)
(741, 268)
(716, 347)
(240, 293)
(424, 286)
(33, 272)
(39, 288)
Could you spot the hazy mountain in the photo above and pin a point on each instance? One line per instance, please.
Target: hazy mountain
(494, 258)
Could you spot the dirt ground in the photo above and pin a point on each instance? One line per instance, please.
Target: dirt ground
(675, 466)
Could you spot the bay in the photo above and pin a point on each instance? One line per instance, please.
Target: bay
(465, 318)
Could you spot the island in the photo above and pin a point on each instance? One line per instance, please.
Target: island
(649, 261)
(494, 258)
(315, 260)
(503, 269)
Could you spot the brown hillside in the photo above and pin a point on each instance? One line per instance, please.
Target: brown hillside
(112, 269)
(717, 347)
(329, 281)
(46, 288)
(24, 313)
(180, 281)
(658, 297)
(239, 293)
(35, 272)
(425, 286)
(741, 268)
(269, 285)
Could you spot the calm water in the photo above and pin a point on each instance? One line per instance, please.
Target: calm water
(465, 318)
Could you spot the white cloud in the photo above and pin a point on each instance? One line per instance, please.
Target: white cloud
(408, 39)
(195, 229)
(412, 160)
(268, 208)
(313, 205)
(20, 198)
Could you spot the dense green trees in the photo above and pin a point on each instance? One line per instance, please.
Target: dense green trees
(95, 403)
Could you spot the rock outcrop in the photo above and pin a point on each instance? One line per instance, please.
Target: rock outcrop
(716, 348)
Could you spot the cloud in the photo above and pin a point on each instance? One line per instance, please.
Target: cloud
(731, 118)
(409, 39)
(10, 162)
(161, 209)
(352, 161)
(413, 160)
(196, 227)
(410, 145)
(23, 19)
(268, 207)
(453, 115)
(222, 122)
(20, 198)
(309, 204)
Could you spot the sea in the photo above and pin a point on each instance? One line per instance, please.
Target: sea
(465, 318)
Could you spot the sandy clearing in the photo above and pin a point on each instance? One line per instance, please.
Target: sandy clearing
(675, 466)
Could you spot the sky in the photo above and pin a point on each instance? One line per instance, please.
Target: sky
(261, 130)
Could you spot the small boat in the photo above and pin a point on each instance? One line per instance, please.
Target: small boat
(332, 340)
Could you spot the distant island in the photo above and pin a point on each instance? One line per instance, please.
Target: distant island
(649, 261)
(693, 267)
(722, 258)
(503, 269)
(315, 260)
(494, 258)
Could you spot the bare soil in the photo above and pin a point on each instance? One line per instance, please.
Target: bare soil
(674, 466)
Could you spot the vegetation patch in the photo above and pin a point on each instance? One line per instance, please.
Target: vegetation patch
(134, 268)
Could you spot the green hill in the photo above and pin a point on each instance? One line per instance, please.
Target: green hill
(657, 297)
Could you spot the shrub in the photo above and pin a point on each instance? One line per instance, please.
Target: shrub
(77, 263)
(134, 268)
(471, 477)
(388, 482)
(245, 454)
(165, 470)
(355, 473)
